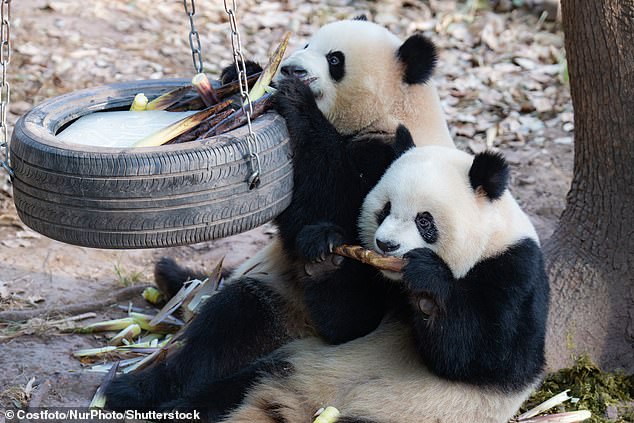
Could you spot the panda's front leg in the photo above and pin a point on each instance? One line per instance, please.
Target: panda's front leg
(307, 125)
(427, 275)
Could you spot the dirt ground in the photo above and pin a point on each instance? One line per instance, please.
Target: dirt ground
(501, 76)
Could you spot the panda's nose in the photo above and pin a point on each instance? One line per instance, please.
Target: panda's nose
(387, 246)
(293, 70)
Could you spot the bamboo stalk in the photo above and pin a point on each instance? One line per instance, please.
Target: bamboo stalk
(182, 126)
(239, 118)
(370, 257)
(165, 326)
(169, 98)
(202, 129)
(223, 92)
(546, 405)
(204, 89)
(568, 417)
(108, 325)
(234, 87)
(128, 334)
(270, 69)
(99, 399)
(139, 104)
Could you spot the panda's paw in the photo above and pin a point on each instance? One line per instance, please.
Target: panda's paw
(316, 242)
(426, 273)
(293, 99)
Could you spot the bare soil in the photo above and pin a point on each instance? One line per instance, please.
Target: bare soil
(501, 76)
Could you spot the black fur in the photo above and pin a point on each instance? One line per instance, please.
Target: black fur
(241, 323)
(336, 65)
(229, 73)
(215, 399)
(169, 276)
(489, 326)
(490, 172)
(419, 56)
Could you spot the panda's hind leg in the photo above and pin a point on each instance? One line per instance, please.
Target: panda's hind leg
(170, 277)
(243, 322)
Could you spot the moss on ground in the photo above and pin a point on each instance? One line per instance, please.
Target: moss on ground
(595, 389)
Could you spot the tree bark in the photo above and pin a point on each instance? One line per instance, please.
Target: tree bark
(590, 257)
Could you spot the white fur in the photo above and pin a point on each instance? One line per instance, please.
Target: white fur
(372, 95)
(436, 180)
(379, 378)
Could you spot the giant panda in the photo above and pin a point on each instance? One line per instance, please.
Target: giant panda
(342, 97)
(464, 340)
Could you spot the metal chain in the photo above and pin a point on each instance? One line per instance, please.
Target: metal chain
(5, 88)
(231, 8)
(194, 37)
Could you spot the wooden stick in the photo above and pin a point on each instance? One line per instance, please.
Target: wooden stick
(370, 257)
(115, 297)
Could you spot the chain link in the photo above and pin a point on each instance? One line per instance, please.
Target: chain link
(231, 8)
(194, 37)
(5, 88)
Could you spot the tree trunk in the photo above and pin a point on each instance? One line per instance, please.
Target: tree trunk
(590, 256)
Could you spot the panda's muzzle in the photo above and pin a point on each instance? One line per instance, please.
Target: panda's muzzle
(387, 246)
(294, 71)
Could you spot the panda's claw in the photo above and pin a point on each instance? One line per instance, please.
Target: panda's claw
(293, 98)
(315, 242)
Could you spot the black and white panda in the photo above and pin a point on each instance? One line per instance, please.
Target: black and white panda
(464, 342)
(343, 97)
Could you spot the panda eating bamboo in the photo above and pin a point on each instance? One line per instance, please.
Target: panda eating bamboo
(367, 342)
(343, 97)
(463, 340)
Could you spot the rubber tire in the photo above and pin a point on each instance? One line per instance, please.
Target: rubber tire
(143, 197)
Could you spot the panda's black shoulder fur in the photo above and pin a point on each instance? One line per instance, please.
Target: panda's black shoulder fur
(489, 327)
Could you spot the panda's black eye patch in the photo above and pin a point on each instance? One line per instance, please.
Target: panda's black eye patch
(336, 61)
(385, 212)
(427, 227)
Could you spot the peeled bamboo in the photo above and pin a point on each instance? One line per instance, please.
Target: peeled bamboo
(270, 69)
(139, 104)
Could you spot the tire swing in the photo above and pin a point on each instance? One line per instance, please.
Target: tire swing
(145, 197)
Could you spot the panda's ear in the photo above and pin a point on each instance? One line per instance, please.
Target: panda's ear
(360, 18)
(418, 55)
(489, 173)
(403, 140)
